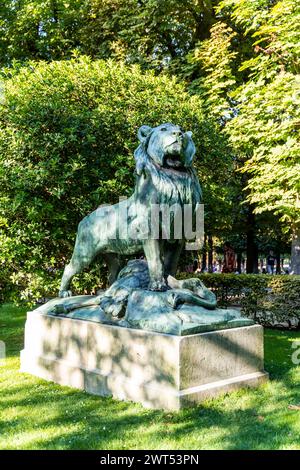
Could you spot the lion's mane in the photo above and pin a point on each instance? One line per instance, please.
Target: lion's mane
(172, 186)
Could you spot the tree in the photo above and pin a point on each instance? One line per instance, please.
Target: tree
(212, 69)
(257, 105)
(212, 63)
(47, 30)
(153, 33)
(265, 127)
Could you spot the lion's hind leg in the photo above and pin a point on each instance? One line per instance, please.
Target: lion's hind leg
(114, 265)
(172, 252)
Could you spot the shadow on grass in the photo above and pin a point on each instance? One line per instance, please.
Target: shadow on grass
(278, 351)
(247, 420)
(39, 415)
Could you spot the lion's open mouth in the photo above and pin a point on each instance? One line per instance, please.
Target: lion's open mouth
(174, 162)
(173, 158)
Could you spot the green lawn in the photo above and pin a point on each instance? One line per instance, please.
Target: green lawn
(35, 414)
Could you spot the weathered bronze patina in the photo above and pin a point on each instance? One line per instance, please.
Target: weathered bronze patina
(145, 294)
(164, 177)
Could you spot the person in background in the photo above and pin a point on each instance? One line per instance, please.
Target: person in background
(190, 268)
(195, 265)
(229, 263)
(261, 262)
(271, 258)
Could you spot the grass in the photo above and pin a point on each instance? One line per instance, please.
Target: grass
(35, 414)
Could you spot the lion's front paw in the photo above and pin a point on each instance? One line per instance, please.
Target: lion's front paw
(158, 285)
(65, 293)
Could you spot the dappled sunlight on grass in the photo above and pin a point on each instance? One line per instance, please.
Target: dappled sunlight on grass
(36, 414)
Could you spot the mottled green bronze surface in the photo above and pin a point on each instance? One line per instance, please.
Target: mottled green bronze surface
(164, 176)
(187, 307)
(145, 294)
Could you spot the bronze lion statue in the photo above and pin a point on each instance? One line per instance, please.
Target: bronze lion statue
(165, 179)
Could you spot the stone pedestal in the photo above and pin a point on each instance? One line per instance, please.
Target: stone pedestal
(155, 369)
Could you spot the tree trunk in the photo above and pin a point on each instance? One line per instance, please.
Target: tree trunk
(278, 264)
(252, 251)
(210, 254)
(54, 7)
(204, 255)
(239, 262)
(203, 21)
(295, 253)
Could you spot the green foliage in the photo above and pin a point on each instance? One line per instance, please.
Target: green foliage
(68, 132)
(152, 33)
(264, 130)
(58, 158)
(265, 127)
(248, 77)
(31, 29)
(270, 300)
(212, 60)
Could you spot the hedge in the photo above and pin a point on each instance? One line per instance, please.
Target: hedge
(270, 300)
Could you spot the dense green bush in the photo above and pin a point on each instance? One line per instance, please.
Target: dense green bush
(67, 135)
(270, 300)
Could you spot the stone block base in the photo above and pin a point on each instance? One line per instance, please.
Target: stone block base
(155, 369)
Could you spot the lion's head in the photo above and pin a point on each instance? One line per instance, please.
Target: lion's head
(167, 145)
